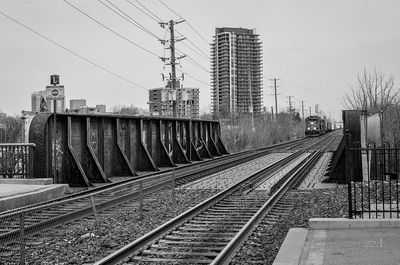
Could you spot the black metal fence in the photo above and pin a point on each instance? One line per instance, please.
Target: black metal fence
(16, 160)
(373, 181)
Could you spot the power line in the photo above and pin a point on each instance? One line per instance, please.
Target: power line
(130, 20)
(159, 20)
(193, 62)
(197, 79)
(190, 25)
(72, 52)
(154, 17)
(200, 54)
(194, 45)
(116, 33)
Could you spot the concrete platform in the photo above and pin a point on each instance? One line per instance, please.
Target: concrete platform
(342, 241)
(34, 181)
(19, 195)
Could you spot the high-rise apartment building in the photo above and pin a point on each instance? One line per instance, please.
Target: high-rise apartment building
(236, 65)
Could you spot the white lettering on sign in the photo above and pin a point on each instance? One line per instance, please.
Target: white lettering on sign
(54, 92)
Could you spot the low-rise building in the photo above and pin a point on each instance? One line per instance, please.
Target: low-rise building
(187, 102)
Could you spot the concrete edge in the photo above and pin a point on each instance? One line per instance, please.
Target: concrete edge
(292, 247)
(47, 193)
(343, 223)
(33, 181)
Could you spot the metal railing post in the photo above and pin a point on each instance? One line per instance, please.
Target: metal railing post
(347, 171)
(30, 161)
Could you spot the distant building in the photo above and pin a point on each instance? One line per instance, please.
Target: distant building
(3, 115)
(187, 102)
(236, 65)
(76, 104)
(101, 108)
(36, 100)
(39, 101)
(79, 106)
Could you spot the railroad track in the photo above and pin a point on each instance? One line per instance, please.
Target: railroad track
(211, 232)
(45, 215)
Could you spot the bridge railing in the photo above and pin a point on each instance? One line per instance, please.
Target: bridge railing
(16, 160)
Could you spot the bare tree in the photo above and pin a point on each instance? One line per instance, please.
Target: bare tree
(376, 92)
(128, 110)
(10, 129)
(373, 92)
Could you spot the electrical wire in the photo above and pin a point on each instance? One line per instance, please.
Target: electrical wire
(195, 78)
(190, 25)
(154, 17)
(159, 20)
(130, 20)
(203, 54)
(191, 60)
(111, 30)
(72, 52)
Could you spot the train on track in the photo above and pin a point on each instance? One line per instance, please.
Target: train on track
(316, 126)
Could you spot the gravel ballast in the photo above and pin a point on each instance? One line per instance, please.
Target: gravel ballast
(322, 203)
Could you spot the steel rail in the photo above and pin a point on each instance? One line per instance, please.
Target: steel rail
(297, 175)
(146, 239)
(224, 257)
(77, 214)
(211, 165)
(157, 184)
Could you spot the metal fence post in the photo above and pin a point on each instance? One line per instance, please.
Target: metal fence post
(96, 219)
(347, 171)
(22, 238)
(30, 161)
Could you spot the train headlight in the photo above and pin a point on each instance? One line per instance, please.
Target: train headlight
(308, 128)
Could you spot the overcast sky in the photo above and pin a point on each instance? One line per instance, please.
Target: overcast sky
(316, 48)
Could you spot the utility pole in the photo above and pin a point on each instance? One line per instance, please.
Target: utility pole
(310, 110)
(251, 103)
(290, 104)
(272, 113)
(317, 109)
(276, 96)
(173, 70)
(172, 59)
(302, 109)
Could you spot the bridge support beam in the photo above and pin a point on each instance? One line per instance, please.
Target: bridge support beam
(93, 148)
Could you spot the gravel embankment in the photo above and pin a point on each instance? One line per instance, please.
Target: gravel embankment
(324, 203)
(81, 243)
